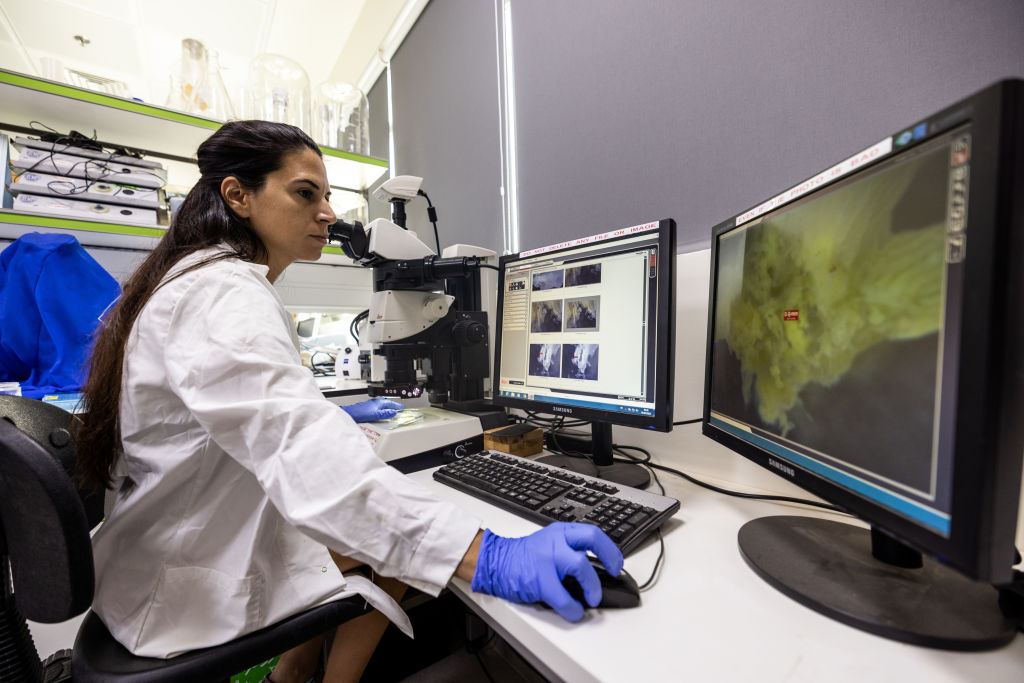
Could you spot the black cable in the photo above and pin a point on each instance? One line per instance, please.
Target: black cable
(91, 176)
(488, 265)
(432, 216)
(688, 422)
(657, 563)
(727, 492)
(353, 327)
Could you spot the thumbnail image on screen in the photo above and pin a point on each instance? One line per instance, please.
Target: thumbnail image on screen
(551, 279)
(582, 313)
(579, 361)
(827, 320)
(589, 274)
(545, 360)
(546, 316)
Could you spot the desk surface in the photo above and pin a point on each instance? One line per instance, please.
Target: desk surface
(709, 617)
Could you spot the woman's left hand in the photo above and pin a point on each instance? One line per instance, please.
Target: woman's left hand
(374, 409)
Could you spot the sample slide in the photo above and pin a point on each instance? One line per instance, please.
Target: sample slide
(546, 316)
(545, 360)
(583, 275)
(551, 279)
(579, 361)
(582, 313)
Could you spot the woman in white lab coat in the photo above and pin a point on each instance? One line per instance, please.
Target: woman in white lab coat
(231, 476)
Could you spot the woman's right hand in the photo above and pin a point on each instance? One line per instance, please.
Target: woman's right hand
(531, 568)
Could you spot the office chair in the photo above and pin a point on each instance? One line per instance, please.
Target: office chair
(44, 533)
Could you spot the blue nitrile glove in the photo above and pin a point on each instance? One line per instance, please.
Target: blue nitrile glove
(531, 568)
(374, 409)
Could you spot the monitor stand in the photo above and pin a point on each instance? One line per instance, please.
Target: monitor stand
(600, 463)
(871, 581)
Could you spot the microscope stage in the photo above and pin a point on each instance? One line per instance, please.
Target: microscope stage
(433, 441)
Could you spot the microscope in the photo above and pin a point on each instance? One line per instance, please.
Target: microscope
(427, 325)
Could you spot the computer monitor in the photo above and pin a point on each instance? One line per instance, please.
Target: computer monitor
(586, 329)
(864, 342)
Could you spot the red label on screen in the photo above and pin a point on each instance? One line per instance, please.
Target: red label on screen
(791, 315)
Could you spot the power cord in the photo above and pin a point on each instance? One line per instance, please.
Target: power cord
(432, 216)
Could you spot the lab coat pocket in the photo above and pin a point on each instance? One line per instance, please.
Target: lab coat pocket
(197, 607)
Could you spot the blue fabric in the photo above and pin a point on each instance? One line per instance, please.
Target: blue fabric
(52, 295)
(531, 568)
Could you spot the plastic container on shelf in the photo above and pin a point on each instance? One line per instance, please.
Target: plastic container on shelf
(278, 90)
(341, 115)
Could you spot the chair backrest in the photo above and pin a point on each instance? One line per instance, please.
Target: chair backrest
(45, 531)
(52, 428)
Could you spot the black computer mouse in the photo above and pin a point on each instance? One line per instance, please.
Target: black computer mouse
(616, 591)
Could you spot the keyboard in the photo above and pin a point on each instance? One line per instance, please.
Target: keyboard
(544, 493)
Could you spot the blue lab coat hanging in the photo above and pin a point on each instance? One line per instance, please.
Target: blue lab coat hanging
(52, 295)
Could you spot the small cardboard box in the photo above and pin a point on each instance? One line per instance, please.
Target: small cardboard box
(520, 439)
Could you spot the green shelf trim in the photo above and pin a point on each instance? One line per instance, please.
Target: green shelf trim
(330, 151)
(72, 224)
(105, 100)
(83, 95)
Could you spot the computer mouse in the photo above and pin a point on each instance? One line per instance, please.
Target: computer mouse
(616, 591)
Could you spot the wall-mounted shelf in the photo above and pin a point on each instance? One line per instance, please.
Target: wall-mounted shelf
(101, 234)
(142, 126)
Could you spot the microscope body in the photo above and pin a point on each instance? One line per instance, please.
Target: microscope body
(426, 315)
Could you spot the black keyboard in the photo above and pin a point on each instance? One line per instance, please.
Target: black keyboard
(543, 493)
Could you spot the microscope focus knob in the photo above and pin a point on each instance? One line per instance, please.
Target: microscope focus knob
(469, 332)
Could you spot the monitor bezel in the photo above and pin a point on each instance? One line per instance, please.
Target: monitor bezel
(664, 357)
(990, 393)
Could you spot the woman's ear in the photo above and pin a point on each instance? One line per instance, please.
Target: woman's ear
(236, 196)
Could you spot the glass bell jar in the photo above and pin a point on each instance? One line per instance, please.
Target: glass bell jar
(278, 90)
(341, 117)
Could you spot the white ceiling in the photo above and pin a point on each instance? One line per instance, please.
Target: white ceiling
(138, 42)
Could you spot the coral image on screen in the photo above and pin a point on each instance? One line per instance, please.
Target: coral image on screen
(552, 279)
(589, 274)
(545, 360)
(827, 319)
(579, 361)
(582, 313)
(546, 316)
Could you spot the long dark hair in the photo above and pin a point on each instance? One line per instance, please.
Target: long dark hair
(247, 150)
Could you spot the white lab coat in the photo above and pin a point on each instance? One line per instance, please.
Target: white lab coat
(237, 472)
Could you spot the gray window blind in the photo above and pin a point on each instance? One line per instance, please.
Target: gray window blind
(636, 111)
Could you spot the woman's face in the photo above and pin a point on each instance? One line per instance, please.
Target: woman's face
(290, 213)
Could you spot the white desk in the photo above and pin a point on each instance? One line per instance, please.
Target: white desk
(709, 617)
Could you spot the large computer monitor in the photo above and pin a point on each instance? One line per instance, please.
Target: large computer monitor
(865, 341)
(586, 329)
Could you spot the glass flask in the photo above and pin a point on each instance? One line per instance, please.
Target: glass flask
(212, 98)
(341, 117)
(278, 90)
(176, 97)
